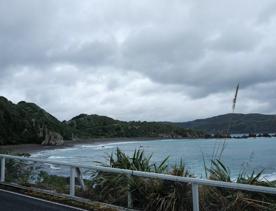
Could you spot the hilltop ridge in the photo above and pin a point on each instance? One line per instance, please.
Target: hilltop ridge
(28, 123)
(240, 123)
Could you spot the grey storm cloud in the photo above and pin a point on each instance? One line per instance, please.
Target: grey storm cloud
(139, 59)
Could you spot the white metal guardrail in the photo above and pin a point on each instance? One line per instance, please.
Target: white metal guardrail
(195, 182)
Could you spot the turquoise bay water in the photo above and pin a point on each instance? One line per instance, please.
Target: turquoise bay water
(251, 154)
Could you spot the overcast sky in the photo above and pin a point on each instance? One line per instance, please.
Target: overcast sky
(174, 60)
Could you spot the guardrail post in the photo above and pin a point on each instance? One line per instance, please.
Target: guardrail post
(2, 170)
(72, 180)
(129, 195)
(195, 197)
(80, 178)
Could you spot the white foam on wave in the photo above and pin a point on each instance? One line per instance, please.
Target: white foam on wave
(36, 155)
(270, 177)
(97, 146)
(106, 146)
(64, 149)
(93, 146)
(51, 151)
(122, 142)
(53, 167)
(57, 157)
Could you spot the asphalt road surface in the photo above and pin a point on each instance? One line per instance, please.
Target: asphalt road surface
(10, 201)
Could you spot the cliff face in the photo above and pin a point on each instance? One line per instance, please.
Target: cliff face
(28, 123)
(52, 138)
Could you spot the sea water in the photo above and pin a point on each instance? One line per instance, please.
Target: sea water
(239, 154)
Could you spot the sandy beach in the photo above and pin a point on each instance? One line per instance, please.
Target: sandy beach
(31, 148)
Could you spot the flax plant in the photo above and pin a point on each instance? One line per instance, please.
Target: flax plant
(235, 200)
(147, 194)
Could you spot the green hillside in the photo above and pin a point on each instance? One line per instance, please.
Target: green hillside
(100, 126)
(240, 123)
(28, 123)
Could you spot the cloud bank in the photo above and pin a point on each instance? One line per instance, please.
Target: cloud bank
(139, 60)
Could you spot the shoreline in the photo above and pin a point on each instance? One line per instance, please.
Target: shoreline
(32, 148)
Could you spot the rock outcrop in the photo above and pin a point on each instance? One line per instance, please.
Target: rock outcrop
(52, 138)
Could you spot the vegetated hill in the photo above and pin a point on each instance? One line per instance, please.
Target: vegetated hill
(27, 123)
(86, 126)
(240, 123)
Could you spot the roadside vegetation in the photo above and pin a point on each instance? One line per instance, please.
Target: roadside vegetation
(152, 194)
